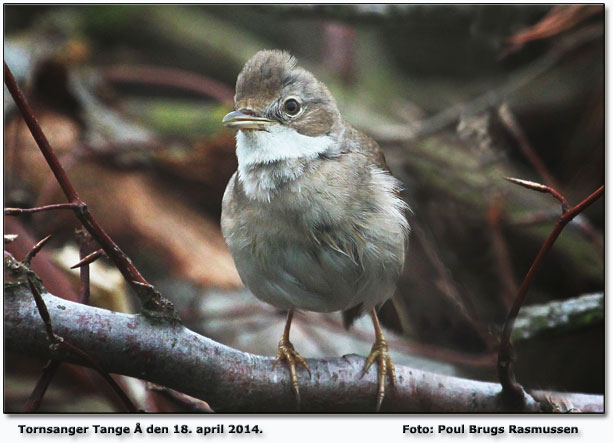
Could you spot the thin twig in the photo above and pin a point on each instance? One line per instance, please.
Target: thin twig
(154, 302)
(541, 188)
(506, 375)
(516, 81)
(36, 397)
(192, 403)
(84, 289)
(501, 251)
(448, 288)
(91, 362)
(19, 211)
(510, 121)
(42, 310)
(36, 249)
(172, 77)
(58, 342)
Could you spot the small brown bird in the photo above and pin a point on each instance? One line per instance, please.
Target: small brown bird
(312, 217)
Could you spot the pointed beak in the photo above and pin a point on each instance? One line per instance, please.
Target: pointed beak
(242, 120)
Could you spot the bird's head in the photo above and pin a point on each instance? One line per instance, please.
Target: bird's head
(271, 92)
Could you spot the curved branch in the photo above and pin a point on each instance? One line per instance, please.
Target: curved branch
(234, 381)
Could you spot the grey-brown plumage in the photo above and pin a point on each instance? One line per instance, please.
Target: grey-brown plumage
(312, 217)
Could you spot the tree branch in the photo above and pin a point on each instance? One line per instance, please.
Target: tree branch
(513, 390)
(152, 301)
(233, 381)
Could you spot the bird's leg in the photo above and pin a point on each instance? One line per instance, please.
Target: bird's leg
(380, 354)
(287, 352)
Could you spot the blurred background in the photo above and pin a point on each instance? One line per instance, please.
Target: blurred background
(459, 97)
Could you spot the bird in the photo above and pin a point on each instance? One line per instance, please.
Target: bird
(312, 216)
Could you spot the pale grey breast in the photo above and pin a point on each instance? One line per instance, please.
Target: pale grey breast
(329, 242)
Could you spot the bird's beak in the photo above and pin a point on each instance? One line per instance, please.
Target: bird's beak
(241, 120)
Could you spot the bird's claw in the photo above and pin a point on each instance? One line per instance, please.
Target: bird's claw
(385, 366)
(287, 352)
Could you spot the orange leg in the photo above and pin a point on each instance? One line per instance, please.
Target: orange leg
(287, 352)
(380, 354)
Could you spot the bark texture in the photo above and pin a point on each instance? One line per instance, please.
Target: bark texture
(232, 381)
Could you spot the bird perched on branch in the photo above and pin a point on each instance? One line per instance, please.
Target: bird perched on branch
(312, 217)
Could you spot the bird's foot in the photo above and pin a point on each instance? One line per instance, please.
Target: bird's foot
(287, 352)
(385, 366)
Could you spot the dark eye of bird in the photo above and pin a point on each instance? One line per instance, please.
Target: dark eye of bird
(291, 106)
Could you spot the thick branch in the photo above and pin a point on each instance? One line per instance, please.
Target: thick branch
(559, 317)
(230, 380)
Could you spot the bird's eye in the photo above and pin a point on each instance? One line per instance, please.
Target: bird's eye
(291, 106)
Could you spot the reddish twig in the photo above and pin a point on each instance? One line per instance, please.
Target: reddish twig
(91, 362)
(172, 77)
(501, 251)
(42, 310)
(191, 403)
(510, 122)
(448, 288)
(19, 211)
(36, 397)
(58, 342)
(541, 188)
(506, 375)
(508, 119)
(89, 259)
(35, 249)
(84, 290)
(153, 301)
(559, 19)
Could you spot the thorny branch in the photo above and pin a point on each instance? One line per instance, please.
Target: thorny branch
(57, 344)
(510, 122)
(511, 388)
(233, 381)
(153, 302)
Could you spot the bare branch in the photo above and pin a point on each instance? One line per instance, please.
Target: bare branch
(58, 343)
(36, 397)
(508, 119)
(154, 303)
(84, 287)
(19, 211)
(514, 391)
(541, 188)
(232, 381)
(510, 122)
(42, 312)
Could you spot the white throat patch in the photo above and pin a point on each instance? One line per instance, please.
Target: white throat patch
(278, 143)
(268, 158)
